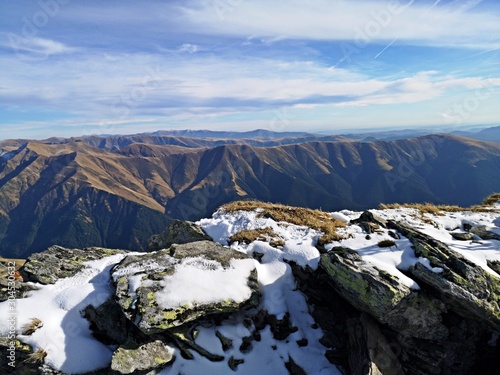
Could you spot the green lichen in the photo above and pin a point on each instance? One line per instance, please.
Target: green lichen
(371, 295)
(160, 361)
(20, 346)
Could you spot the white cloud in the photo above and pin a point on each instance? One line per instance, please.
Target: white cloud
(146, 85)
(363, 21)
(189, 48)
(35, 45)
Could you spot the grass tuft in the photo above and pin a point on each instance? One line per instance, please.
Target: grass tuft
(36, 357)
(315, 219)
(32, 326)
(492, 199)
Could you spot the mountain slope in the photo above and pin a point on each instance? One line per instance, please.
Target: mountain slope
(76, 194)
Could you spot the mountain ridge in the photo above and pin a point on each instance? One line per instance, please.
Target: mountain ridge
(149, 182)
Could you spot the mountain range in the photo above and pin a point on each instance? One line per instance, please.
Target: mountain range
(116, 191)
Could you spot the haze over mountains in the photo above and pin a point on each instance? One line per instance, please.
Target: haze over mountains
(116, 191)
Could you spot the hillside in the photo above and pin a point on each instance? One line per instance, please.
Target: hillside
(271, 289)
(76, 194)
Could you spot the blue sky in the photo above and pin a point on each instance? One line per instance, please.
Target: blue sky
(74, 67)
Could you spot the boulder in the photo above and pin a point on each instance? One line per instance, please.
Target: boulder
(58, 262)
(143, 358)
(107, 322)
(177, 232)
(485, 234)
(168, 288)
(462, 236)
(370, 217)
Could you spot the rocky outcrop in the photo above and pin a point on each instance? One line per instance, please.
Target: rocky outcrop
(143, 303)
(20, 289)
(367, 288)
(447, 327)
(177, 232)
(58, 262)
(467, 287)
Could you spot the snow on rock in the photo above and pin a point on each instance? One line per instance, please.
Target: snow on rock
(208, 282)
(167, 288)
(65, 334)
(157, 290)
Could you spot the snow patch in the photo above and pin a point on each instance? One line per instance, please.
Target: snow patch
(207, 281)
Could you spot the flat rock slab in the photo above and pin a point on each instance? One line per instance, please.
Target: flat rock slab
(168, 288)
(58, 263)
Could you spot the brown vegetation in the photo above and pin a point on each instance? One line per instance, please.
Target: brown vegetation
(32, 326)
(315, 219)
(4, 267)
(263, 234)
(492, 199)
(439, 210)
(37, 357)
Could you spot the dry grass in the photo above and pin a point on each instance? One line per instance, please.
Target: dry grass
(32, 326)
(315, 219)
(427, 208)
(492, 199)
(36, 357)
(263, 234)
(439, 210)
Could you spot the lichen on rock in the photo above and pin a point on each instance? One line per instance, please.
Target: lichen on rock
(158, 290)
(58, 262)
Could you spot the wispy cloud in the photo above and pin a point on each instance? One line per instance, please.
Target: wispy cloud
(373, 21)
(34, 45)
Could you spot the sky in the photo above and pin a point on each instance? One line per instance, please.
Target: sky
(81, 67)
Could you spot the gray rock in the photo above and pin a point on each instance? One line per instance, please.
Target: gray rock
(177, 232)
(107, 322)
(21, 289)
(58, 262)
(484, 233)
(145, 357)
(149, 270)
(460, 236)
(469, 290)
(363, 285)
(370, 217)
(383, 296)
(378, 357)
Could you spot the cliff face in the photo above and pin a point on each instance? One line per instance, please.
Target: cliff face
(79, 193)
(279, 290)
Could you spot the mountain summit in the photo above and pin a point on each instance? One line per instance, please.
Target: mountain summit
(271, 289)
